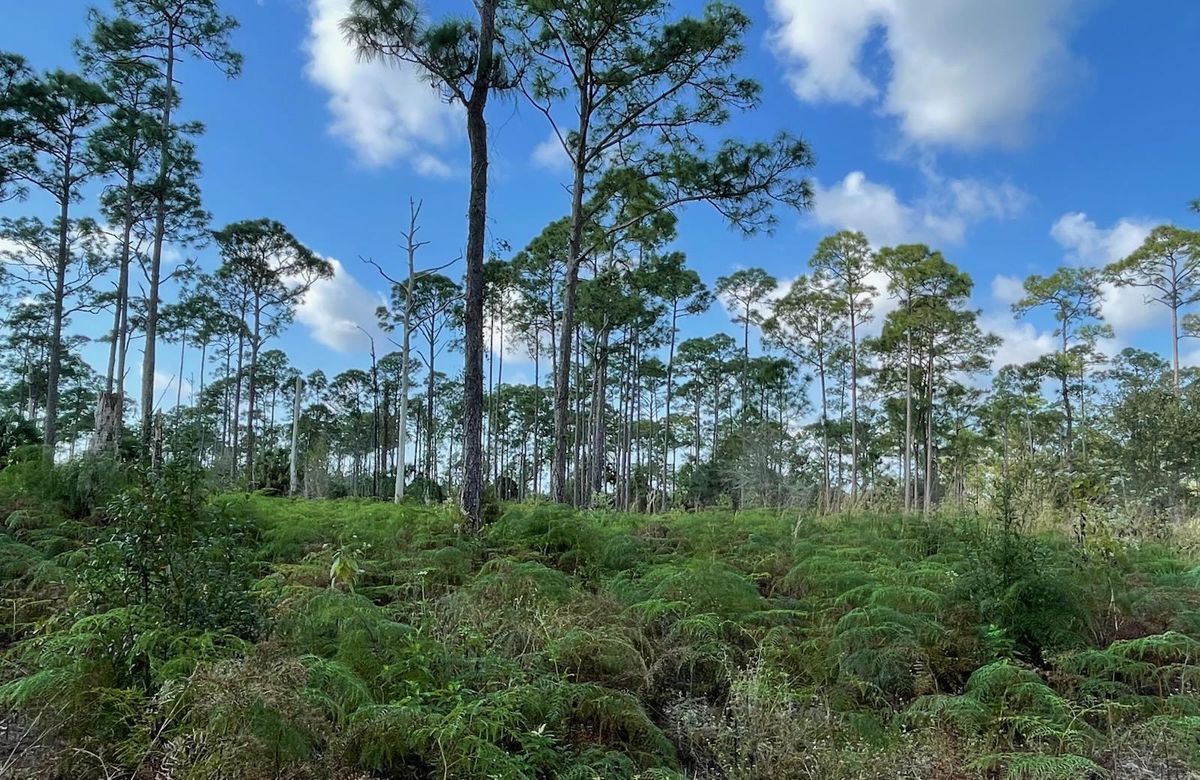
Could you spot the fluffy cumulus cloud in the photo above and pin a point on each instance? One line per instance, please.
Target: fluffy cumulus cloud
(503, 338)
(940, 216)
(383, 111)
(1020, 342)
(335, 309)
(963, 73)
(1087, 244)
(1007, 290)
(1084, 244)
(550, 155)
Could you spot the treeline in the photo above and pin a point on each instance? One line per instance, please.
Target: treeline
(815, 397)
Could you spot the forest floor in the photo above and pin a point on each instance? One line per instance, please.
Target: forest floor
(256, 637)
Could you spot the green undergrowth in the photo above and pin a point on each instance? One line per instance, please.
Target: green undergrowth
(160, 635)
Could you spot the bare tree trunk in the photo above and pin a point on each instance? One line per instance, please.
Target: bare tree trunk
(431, 428)
(405, 366)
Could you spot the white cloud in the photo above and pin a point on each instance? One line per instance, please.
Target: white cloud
(1127, 310)
(383, 111)
(961, 73)
(976, 200)
(824, 39)
(1087, 244)
(1020, 342)
(550, 155)
(1007, 289)
(502, 337)
(334, 310)
(428, 165)
(884, 304)
(941, 216)
(857, 203)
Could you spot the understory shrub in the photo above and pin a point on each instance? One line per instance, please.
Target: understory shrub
(167, 632)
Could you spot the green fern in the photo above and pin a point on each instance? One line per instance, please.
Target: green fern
(1037, 766)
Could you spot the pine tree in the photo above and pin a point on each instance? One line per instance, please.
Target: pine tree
(1167, 264)
(63, 110)
(163, 33)
(844, 262)
(267, 268)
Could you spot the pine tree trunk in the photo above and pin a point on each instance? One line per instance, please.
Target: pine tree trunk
(179, 379)
(908, 429)
(558, 473)
(293, 459)
(499, 454)
(853, 407)
(196, 397)
(928, 503)
(252, 396)
(56, 325)
(471, 499)
(1175, 349)
(537, 410)
(110, 404)
(667, 488)
(236, 421)
(599, 370)
(825, 487)
(160, 227)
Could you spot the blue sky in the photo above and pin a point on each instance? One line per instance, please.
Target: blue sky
(1014, 136)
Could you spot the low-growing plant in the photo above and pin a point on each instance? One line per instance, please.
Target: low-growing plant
(171, 632)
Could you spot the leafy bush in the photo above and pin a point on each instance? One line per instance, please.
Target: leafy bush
(166, 546)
